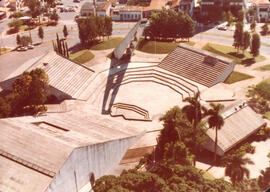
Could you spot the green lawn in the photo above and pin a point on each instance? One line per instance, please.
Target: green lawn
(156, 47)
(231, 53)
(82, 56)
(4, 50)
(207, 175)
(263, 88)
(264, 68)
(237, 76)
(190, 43)
(107, 44)
(267, 116)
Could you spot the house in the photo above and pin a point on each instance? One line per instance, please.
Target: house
(128, 13)
(104, 9)
(88, 9)
(185, 5)
(60, 152)
(262, 10)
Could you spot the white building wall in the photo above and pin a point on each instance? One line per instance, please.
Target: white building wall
(4, 3)
(115, 17)
(130, 15)
(263, 16)
(101, 13)
(99, 159)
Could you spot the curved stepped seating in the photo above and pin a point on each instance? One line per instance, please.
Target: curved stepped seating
(192, 89)
(190, 64)
(123, 109)
(146, 74)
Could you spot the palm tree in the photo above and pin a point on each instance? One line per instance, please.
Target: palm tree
(215, 121)
(194, 112)
(235, 168)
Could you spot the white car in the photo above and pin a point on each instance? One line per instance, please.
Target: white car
(30, 46)
(222, 27)
(22, 49)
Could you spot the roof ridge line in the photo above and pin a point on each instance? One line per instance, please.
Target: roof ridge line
(27, 164)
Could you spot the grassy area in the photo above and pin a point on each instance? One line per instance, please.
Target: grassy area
(237, 76)
(217, 34)
(264, 68)
(4, 50)
(190, 43)
(267, 116)
(207, 175)
(107, 44)
(156, 47)
(231, 53)
(82, 56)
(263, 89)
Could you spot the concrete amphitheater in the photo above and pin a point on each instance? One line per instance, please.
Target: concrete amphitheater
(109, 99)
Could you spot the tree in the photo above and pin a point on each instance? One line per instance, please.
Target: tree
(50, 3)
(188, 28)
(15, 24)
(40, 33)
(246, 41)
(240, 16)
(108, 26)
(34, 7)
(265, 29)
(253, 25)
(54, 16)
(5, 108)
(227, 16)
(29, 92)
(25, 40)
(65, 31)
(235, 168)
(177, 135)
(215, 121)
(175, 25)
(264, 179)
(18, 40)
(194, 112)
(100, 24)
(255, 45)
(238, 35)
(87, 30)
(177, 153)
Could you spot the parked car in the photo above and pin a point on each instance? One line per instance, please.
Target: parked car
(22, 49)
(71, 9)
(223, 28)
(59, 3)
(30, 46)
(76, 1)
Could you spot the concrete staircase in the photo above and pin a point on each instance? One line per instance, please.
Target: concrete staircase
(190, 64)
(152, 74)
(123, 109)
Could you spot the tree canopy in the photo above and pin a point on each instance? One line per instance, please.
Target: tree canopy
(92, 27)
(238, 35)
(255, 45)
(28, 95)
(174, 25)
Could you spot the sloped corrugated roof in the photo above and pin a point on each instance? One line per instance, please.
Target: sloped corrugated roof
(190, 63)
(64, 75)
(239, 125)
(40, 147)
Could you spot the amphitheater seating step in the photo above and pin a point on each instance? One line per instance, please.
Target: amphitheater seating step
(195, 65)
